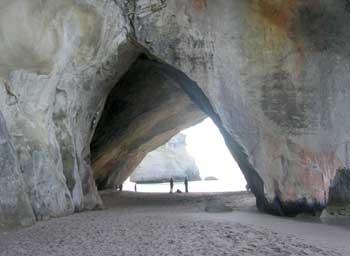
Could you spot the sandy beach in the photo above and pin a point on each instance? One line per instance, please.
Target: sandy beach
(177, 224)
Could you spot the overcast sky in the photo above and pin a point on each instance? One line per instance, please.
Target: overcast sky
(206, 144)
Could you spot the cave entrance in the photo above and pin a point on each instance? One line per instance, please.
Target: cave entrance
(152, 103)
(198, 153)
(143, 111)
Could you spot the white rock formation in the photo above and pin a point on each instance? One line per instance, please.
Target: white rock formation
(169, 160)
(272, 74)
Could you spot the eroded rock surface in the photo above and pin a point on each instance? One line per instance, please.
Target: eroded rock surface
(339, 196)
(171, 160)
(59, 61)
(15, 208)
(275, 73)
(272, 74)
(339, 191)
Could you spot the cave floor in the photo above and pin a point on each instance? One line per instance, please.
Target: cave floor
(177, 224)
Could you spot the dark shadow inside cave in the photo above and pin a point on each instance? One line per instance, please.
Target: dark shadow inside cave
(148, 106)
(143, 111)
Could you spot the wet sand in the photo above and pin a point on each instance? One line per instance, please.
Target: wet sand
(177, 224)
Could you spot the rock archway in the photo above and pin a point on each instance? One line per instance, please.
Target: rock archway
(148, 106)
(275, 81)
(272, 74)
(144, 110)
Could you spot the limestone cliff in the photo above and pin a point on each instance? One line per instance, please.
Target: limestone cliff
(339, 196)
(339, 191)
(170, 160)
(59, 60)
(272, 74)
(15, 207)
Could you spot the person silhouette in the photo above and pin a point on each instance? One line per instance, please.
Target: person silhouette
(171, 185)
(186, 185)
(135, 187)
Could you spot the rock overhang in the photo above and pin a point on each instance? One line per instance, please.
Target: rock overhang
(273, 74)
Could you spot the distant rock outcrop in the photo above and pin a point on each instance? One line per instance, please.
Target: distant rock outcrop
(339, 196)
(210, 178)
(339, 191)
(169, 160)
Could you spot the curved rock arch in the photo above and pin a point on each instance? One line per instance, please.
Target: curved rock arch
(272, 74)
(152, 103)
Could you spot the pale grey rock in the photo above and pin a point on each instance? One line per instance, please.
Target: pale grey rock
(211, 178)
(338, 205)
(15, 207)
(59, 61)
(273, 75)
(171, 160)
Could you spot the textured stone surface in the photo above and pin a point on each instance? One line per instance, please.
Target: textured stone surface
(339, 197)
(170, 160)
(272, 74)
(15, 208)
(276, 74)
(59, 61)
(339, 191)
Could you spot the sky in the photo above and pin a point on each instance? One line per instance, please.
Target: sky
(207, 146)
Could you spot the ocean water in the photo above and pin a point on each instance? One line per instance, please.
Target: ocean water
(193, 186)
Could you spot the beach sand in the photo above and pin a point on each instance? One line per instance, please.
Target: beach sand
(176, 224)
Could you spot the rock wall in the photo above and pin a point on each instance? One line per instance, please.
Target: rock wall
(143, 111)
(15, 205)
(339, 198)
(60, 59)
(275, 73)
(272, 74)
(339, 191)
(170, 160)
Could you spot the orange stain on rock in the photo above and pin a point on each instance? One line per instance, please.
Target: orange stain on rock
(285, 16)
(326, 162)
(317, 169)
(199, 6)
(280, 14)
